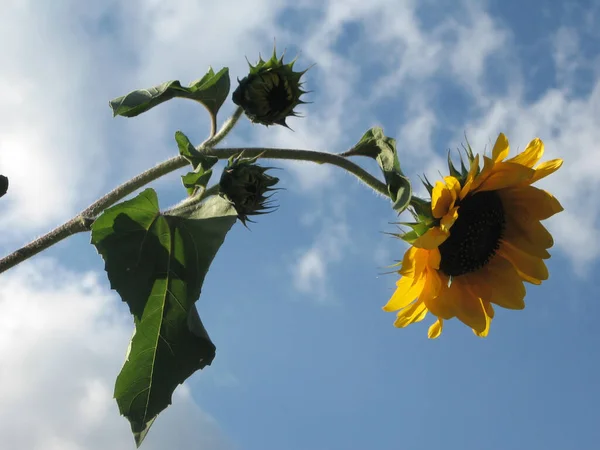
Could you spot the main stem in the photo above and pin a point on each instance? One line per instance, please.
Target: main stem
(83, 221)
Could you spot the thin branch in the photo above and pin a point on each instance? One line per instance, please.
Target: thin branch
(73, 226)
(305, 155)
(83, 221)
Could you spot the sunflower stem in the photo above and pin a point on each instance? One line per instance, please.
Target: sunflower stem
(84, 220)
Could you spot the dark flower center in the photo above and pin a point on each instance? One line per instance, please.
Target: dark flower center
(475, 236)
(278, 93)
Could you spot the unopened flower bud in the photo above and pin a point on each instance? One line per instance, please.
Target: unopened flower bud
(247, 186)
(270, 92)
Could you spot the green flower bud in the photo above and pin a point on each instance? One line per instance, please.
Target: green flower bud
(270, 92)
(246, 185)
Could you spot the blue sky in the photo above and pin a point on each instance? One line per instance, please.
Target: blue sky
(306, 358)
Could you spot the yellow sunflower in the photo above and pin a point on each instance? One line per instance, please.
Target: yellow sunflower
(477, 241)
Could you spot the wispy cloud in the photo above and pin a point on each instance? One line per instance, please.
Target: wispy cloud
(312, 266)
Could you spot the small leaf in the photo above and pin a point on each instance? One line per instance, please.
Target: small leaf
(367, 146)
(376, 145)
(201, 163)
(194, 180)
(452, 169)
(142, 100)
(212, 89)
(422, 209)
(427, 184)
(419, 228)
(189, 152)
(400, 190)
(409, 237)
(3, 185)
(157, 263)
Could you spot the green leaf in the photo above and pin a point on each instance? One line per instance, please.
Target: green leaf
(142, 100)
(195, 180)
(409, 237)
(201, 162)
(211, 90)
(157, 263)
(419, 228)
(382, 148)
(189, 152)
(452, 169)
(422, 209)
(3, 185)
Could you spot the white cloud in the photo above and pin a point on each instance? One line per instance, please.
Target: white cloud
(476, 41)
(50, 136)
(63, 338)
(566, 50)
(311, 269)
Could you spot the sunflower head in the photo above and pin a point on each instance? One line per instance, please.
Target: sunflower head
(247, 186)
(270, 92)
(477, 240)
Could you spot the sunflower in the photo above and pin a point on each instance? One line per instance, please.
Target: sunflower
(477, 240)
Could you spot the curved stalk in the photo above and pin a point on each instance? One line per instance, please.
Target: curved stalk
(83, 221)
(305, 155)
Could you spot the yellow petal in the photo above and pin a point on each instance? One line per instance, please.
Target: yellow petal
(432, 238)
(529, 267)
(499, 283)
(529, 203)
(444, 303)
(469, 309)
(504, 175)
(411, 314)
(488, 166)
(442, 198)
(489, 309)
(434, 259)
(470, 177)
(406, 292)
(408, 263)
(432, 286)
(453, 186)
(501, 148)
(531, 155)
(546, 168)
(529, 236)
(488, 322)
(421, 261)
(449, 219)
(436, 329)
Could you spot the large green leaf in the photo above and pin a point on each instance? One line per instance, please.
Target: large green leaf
(211, 90)
(382, 148)
(157, 263)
